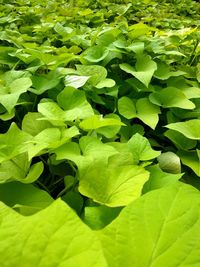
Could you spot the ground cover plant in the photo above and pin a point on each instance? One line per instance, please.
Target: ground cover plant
(100, 130)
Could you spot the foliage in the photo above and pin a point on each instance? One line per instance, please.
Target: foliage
(99, 110)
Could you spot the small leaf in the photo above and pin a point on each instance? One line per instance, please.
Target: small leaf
(171, 97)
(127, 108)
(10, 94)
(144, 69)
(75, 81)
(142, 109)
(42, 83)
(100, 216)
(191, 159)
(180, 140)
(12, 142)
(18, 169)
(169, 162)
(190, 129)
(105, 83)
(97, 73)
(147, 112)
(97, 121)
(25, 198)
(32, 125)
(141, 148)
(96, 53)
(53, 113)
(74, 103)
(159, 179)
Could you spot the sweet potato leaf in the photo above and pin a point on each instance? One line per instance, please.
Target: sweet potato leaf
(165, 232)
(56, 228)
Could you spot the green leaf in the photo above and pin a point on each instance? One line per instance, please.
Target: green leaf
(113, 186)
(163, 72)
(25, 198)
(10, 94)
(53, 113)
(141, 148)
(48, 139)
(171, 97)
(75, 81)
(56, 228)
(191, 159)
(97, 121)
(180, 140)
(64, 31)
(32, 125)
(18, 168)
(98, 217)
(138, 30)
(97, 73)
(42, 141)
(143, 109)
(12, 142)
(137, 47)
(96, 53)
(109, 131)
(159, 179)
(74, 103)
(90, 149)
(127, 107)
(105, 83)
(190, 128)
(165, 232)
(42, 83)
(169, 162)
(147, 112)
(74, 200)
(144, 69)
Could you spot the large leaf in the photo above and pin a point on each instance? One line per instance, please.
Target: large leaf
(159, 229)
(54, 236)
(144, 69)
(190, 129)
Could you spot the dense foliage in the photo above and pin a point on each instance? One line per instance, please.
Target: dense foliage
(100, 130)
